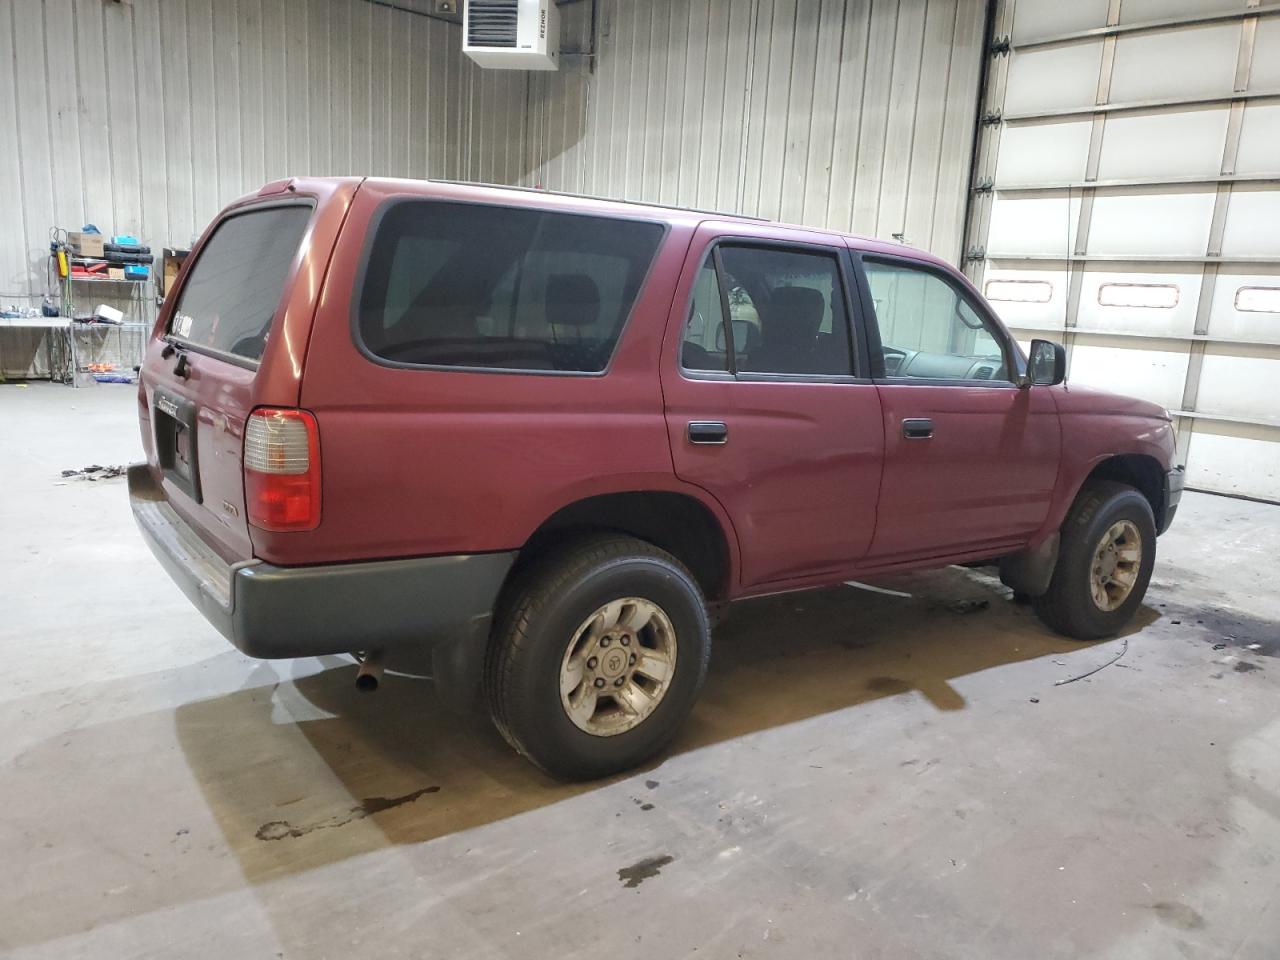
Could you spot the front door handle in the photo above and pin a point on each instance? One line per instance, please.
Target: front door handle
(917, 428)
(711, 432)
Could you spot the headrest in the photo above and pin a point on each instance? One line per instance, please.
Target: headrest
(795, 315)
(572, 299)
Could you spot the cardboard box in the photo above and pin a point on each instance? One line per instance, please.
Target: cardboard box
(115, 273)
(86, 244)
(170, 264)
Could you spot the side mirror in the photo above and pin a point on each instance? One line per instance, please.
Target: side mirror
(1046, 365)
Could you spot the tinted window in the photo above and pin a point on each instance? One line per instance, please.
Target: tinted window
(231, 294)
(483, 286)
(787, 312)
(928, 329)
(705, 344)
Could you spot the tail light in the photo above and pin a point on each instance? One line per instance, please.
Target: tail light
(282, 469)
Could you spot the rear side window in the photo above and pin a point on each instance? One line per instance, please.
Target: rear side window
(473, 285)
(229, 298)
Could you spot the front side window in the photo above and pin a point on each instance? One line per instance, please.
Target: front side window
(472, 285)
(928, 329)
(786, 314)
(230, 297)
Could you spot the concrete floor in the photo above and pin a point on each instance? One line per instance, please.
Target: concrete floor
(866, 775)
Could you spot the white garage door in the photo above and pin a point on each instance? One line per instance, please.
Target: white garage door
(1128, 203)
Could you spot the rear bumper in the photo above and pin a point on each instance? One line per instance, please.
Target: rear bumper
(1174, 481)
(273, 612)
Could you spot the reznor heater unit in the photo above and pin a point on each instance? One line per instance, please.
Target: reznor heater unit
(512, 34)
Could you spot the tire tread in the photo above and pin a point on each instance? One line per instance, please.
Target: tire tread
(530, 592)
(1058, 608)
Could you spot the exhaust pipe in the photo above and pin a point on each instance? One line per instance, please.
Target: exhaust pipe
(369, 676)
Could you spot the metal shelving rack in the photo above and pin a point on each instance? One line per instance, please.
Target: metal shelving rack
(134, 327)
(137, 293)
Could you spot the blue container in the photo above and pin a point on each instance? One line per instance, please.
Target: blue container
(136, 271)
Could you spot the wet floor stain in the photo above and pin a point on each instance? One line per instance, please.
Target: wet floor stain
(1178, 915)
(967, 606)
(888, 686)
(651, 784)
(638, 873)
(372, 805)
(1222, 630)
(279, 829)
(1244, 666)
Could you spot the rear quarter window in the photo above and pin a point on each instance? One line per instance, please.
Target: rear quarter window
(484, 286)
(230, 296)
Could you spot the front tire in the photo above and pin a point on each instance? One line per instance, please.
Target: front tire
(1104, 564)
(597, 656)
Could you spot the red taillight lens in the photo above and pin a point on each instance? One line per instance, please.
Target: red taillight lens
(282, 470)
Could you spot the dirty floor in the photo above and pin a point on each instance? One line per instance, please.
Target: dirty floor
(868, 774)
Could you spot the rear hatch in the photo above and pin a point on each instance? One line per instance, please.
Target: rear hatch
(230, 338)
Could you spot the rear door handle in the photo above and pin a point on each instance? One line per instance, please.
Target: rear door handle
(917, 428)
(711, 432)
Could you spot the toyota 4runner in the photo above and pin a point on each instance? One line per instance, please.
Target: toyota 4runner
(543, 435)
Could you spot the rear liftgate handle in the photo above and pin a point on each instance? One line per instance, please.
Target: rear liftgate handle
(917, 428)
(708, 432)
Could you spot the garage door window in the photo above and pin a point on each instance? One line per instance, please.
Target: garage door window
(1019, 291)
(928, 328)
(480, 286)
(786, 313)
(1258, 299)
(1150, 295)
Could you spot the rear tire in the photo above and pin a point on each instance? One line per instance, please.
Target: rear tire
(605, 615)
(1104, 564)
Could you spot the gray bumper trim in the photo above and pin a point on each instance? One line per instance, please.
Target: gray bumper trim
(1174, 481)
(272, 612)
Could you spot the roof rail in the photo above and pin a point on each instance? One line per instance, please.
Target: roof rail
(590, 196)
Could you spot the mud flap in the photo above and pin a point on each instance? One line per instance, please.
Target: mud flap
(457, 666)
(1029, 571)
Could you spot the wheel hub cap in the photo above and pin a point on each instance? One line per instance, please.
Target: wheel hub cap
(618, 666)
(613, 664)
(1116, 563)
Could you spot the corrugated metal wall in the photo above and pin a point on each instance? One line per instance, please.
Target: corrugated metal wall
(147, 117)
(852, 114)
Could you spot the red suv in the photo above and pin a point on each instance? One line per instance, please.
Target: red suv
(543, 435)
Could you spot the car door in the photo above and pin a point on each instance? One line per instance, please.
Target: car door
(970, 458)
(769, 404)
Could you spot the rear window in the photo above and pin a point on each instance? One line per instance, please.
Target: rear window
(471, 285)
(233, 289)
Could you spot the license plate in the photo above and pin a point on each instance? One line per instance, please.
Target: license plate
(181, 445)
(175, 424)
